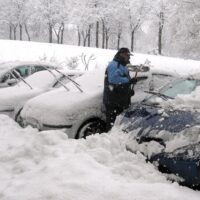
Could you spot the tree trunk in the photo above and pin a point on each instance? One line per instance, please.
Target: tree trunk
(58, 35)
(118, 40)
(79, 38)
(15, 32)
(97, 34)
(50, 33)
(10, 31)
(27, 33)
(62, 33)
(89, 35)
(103, 35)
(20, 32)
(85, 37)
(107, 38)
(84, 42)
(132, 40)
(161, 23)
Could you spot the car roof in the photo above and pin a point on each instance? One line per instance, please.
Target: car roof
(195, 76)
(6, 66)
(12, 64)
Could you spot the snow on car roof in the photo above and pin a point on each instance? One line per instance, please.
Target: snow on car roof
(9, 65)
(43, 79)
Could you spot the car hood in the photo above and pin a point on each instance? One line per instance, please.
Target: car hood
(155, 118)
(13, 96)
(61, 107)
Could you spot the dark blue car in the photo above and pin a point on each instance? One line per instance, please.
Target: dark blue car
(176, 131)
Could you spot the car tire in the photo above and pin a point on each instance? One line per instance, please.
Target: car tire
(19, 119)
(91, 127)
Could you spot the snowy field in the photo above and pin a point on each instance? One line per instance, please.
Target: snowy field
(49, 166)
(61, 54)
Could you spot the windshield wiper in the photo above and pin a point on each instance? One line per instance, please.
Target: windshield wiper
(56, 78)
(20, 77)
(74, 82)
(163, 96)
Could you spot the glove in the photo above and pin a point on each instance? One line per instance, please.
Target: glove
(133, 81)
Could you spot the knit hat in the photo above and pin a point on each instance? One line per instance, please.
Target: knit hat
(124, 50)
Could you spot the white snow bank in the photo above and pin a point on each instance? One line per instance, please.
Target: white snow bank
(99, 58)
(47, 165)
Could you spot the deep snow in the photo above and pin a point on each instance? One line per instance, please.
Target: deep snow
(47, 165)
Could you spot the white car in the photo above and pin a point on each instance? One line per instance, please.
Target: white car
(13, 98)
(78, 113)
(10, 72)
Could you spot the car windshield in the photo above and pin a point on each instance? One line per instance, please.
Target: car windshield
(179, 87)
(170, 91)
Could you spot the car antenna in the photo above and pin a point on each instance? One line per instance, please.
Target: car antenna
(20, 77)
(74, 82)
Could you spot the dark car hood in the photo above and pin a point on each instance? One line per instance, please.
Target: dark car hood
(154, 118)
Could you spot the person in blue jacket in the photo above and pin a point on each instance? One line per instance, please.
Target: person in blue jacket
(117, 86)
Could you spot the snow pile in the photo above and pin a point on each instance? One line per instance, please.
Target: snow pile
(47, 165)
(94, 57)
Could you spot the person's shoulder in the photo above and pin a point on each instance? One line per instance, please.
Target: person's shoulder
(112, 63)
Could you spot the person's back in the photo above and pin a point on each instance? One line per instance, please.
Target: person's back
(116, 90)
(117, 86)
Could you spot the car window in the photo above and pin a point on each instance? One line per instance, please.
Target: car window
(23, 70)
(182, 87)
(170, 91)
(160, 80)
(37, 68)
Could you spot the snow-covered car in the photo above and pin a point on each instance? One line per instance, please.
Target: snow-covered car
(79, 113)
(165, 127)
(10, 72)
(13, 98)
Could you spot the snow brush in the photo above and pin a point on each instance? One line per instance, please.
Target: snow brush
(139, 68)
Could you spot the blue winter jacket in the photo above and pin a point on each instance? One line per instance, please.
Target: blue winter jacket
(117, 73)
(117, 86)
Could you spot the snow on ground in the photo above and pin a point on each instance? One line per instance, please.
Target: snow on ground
(47, 165)
(61, 54)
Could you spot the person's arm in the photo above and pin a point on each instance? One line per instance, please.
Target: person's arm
(116, 75)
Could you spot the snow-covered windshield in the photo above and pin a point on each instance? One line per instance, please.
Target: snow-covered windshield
(170, 91)
(179, 87)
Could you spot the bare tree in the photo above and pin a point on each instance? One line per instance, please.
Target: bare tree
(15, 14)
(53, 14)
(160, 31)
(136, 12)
(86, 60)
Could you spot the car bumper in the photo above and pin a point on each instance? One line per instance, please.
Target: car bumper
(42, 126)
(8, 112)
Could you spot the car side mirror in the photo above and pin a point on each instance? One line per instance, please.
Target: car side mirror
(11, 82)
